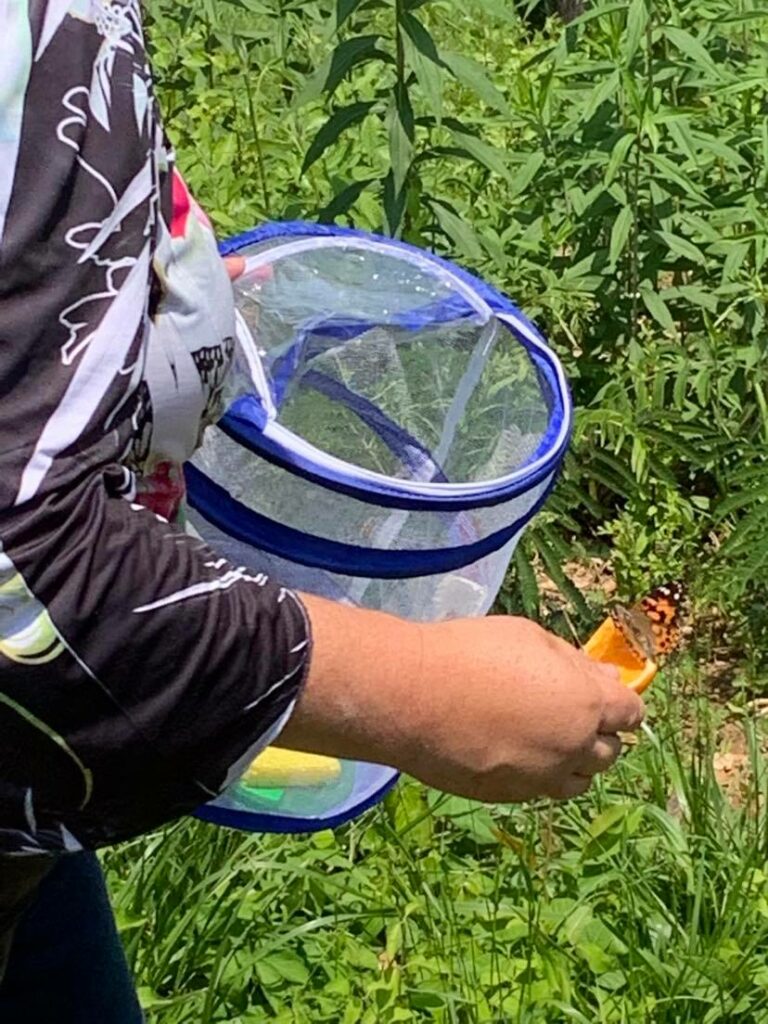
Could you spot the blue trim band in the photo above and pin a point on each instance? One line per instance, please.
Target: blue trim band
(304, 229)
(216, 505)
(404, 446)
(308, 344)
(268, 444)
(253, 821)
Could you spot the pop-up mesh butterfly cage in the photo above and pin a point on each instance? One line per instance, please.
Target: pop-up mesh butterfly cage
(392, 426)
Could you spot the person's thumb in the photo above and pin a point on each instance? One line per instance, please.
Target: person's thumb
(623, 710)
(235, 266)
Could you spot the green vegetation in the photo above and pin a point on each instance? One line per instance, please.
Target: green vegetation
(647, 901)
(612, 176)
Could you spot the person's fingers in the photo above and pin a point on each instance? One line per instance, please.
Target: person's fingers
(605, 752)
(235, 266)
(623, 711)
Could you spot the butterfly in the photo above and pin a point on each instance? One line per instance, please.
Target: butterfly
(652, 627)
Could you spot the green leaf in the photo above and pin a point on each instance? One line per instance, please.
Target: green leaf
(483, 153)
(359, 956)
(682, 247)
(394, 201)
(425, 60)
(128, 921)
(343, 200)
(690, 47)
(468, 815)
(737, 253)
(429, 75)
(457, 229)
(473, 75)
(526, 582)
(334, 127)
(620, 233)
(149, 999)
(672, 172)
(345, 9)
(411, 815)
(709, 143)
(600, 11)
(618, 813)
(521, 179)
(637, 20)
(739, 17)
(604, 91)
(401, 135)
(680, 132)
(618, 157)
(553, 563)
(282, 965)
(345, 57)
(694, 295)
(656, 306)
(421, 38)
(600, 935)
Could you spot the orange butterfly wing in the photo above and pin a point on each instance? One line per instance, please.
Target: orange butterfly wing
(652, 627)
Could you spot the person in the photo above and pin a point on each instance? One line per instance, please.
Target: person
(140, 673)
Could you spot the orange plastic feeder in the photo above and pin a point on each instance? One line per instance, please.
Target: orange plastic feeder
(607, 645)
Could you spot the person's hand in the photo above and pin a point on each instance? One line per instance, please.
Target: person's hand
(494, 709)
(516, 713)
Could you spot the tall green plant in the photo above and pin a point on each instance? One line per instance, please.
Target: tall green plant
(386, 77)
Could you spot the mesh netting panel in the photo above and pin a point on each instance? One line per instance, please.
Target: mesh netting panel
(468, 591)
(379, 358)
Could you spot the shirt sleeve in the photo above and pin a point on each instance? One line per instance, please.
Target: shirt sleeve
(138, 669)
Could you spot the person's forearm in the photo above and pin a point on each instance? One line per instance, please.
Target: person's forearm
(364, 695)
(496, 708)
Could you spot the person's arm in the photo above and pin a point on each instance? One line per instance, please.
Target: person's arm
(495, 709)
(156, 671)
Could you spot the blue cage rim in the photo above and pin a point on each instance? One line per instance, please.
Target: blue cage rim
(274, 442)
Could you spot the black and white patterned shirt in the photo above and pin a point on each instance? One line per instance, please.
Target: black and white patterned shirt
(139, 672)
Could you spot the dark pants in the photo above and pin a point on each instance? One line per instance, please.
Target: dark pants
(66, 964)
